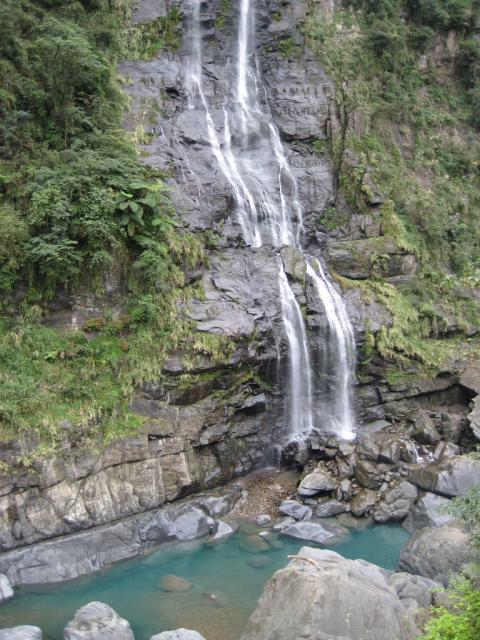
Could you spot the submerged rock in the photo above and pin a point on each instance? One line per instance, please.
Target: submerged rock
(175, 584)
(24, 632)
(178, 634)
(429, 511)
(260, 561)
(255, 544)
(436, 553)
(320, 592)
(98, 621)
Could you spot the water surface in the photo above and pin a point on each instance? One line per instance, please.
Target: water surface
(133, 588)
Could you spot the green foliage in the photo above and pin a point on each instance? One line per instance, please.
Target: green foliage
(461, 621)
(467, 508)
(70, 180)
(144, 41)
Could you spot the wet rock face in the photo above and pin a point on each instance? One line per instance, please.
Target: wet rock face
(82, 553)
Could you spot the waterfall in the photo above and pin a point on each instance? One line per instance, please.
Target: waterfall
(252, 158)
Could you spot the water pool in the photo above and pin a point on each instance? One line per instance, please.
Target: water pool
(225, 585)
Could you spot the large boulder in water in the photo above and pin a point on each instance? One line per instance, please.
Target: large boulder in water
(452, 477)
(98, 621)
(321, 595)
(24, 632)
(436, 553)
(313, 531)
(429, 511)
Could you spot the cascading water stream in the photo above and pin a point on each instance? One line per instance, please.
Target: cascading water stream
(251, 156)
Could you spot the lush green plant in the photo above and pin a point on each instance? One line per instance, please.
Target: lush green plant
(461, 621)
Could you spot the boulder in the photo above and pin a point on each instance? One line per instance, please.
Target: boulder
(313, 531)
(370, 475)
(427, 512)
(222, 531)
(395, 503)
(178, 634)
(319, 594)
(24, 632)
(452, 477)
(295, 510)
(425, 430)
(263, 520)
(437, 553)
(97, 621)
(415, 592)
(319, 481)
(328, 508)
(363, 502)
(6, 590)
(175, 584)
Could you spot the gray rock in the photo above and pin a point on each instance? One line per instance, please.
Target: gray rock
(295, 510)
(6, 590)
(429, 511)
(328, 508)
(313, 531)
(178, 634)
(474, 417)
(415, 592)
(330, 596)
(363, 502)
(283, 523)
(369, 475)
(98, 621)
(24, 632)
(86, 552)
(436, 553)
(452, 477)
(263, 520)
(425, 430)
(319, 481)
(395, 503)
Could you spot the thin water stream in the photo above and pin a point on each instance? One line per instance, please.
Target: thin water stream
(250, 154)
(226, 582)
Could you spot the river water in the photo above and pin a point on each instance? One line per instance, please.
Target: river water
(133, 588)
